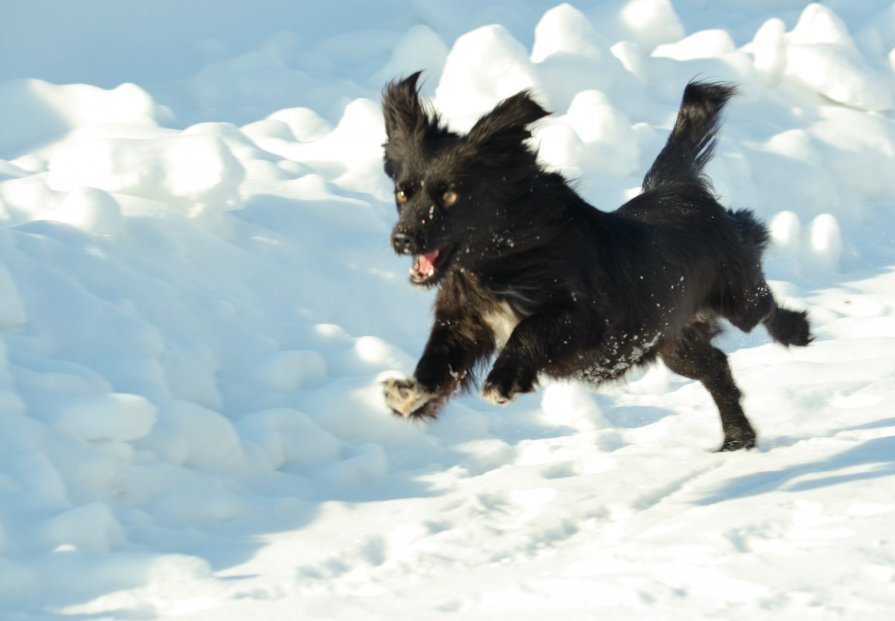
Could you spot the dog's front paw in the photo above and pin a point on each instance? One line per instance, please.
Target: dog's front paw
(407, 399)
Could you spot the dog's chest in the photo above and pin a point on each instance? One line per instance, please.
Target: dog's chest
(501, 320)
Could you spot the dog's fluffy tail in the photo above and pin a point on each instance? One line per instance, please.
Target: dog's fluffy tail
(692, 140)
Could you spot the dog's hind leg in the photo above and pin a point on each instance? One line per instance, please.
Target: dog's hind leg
(785, 326)
(693, 355)
(748, 301)
(788, 327)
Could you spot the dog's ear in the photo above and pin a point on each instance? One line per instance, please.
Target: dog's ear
(407, 122)
(507, 124)
(402, 108)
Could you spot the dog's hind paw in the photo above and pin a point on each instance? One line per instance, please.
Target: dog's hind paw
(789, 327)
(737, 444)
(407, 399)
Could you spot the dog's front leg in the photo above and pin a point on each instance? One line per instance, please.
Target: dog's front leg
(542, 341)
(453, 348)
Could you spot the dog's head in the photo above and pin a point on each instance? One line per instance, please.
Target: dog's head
(452, 191)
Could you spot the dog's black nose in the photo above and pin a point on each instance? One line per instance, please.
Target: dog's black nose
(402, 242)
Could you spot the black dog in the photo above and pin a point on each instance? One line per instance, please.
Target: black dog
(526, 268)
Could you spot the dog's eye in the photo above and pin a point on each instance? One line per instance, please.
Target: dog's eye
(401, 196)
(449, 198)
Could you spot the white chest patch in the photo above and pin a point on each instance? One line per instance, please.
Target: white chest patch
(502, 321)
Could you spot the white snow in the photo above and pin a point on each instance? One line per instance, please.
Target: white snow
(198, 302)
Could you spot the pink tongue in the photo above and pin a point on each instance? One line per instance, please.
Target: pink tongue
(425, 263)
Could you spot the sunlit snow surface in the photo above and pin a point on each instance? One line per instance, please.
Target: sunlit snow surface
(198, 301)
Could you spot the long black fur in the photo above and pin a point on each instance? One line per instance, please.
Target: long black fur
(579, 292)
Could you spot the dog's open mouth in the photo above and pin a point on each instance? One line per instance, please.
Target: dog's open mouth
(428, 268)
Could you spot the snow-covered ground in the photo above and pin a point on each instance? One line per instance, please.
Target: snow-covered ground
(198, 301)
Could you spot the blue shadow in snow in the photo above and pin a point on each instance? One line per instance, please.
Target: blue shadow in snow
(877, 456)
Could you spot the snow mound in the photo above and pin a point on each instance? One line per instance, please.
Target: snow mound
(650, 23)
(106, 418)
(821, 55)
(45, 112)
(482, 68)
(564, 30)
(704, 44)
(195, 170)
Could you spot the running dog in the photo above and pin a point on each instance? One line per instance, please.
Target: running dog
(526, 269)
